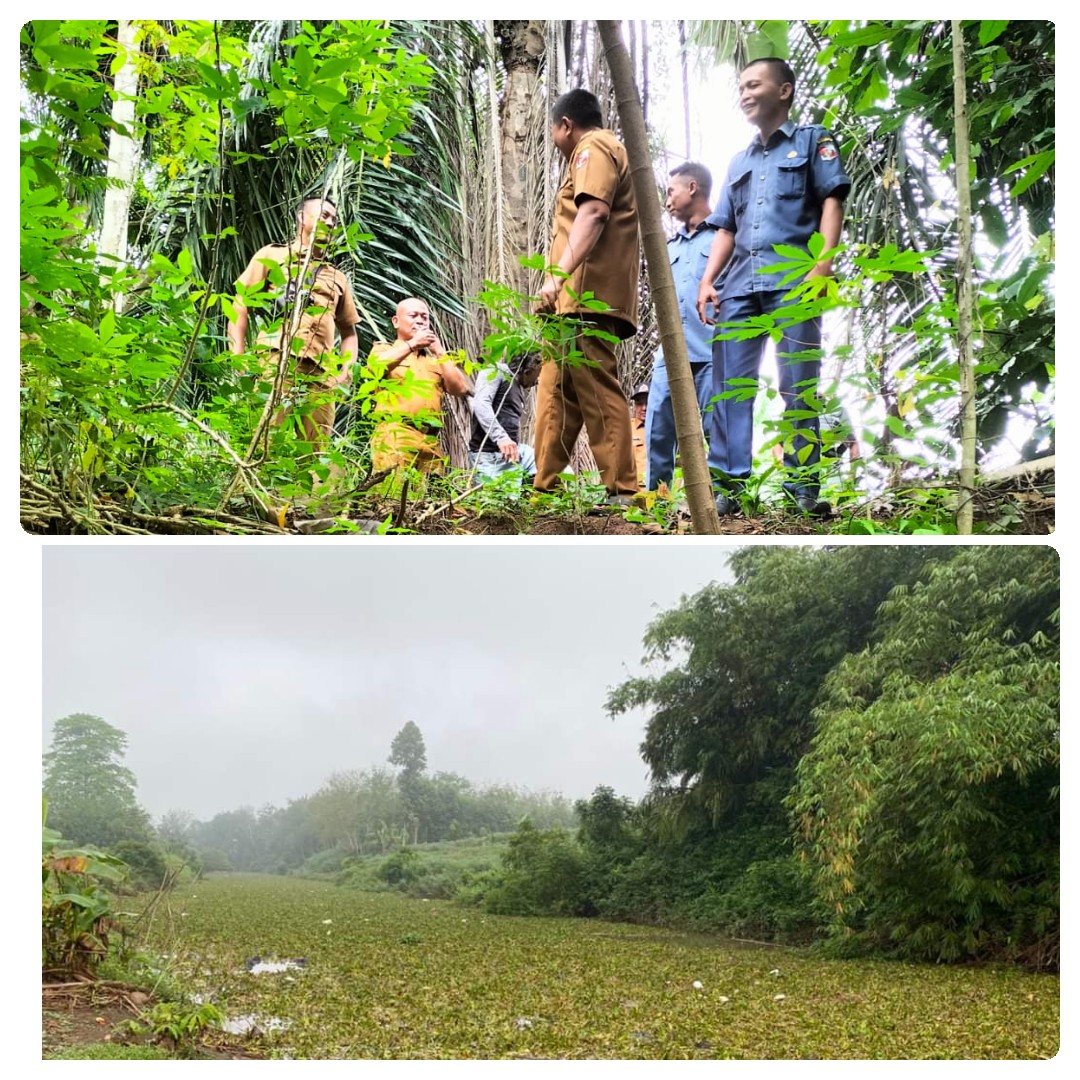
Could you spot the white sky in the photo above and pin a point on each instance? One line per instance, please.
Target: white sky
(246, 674)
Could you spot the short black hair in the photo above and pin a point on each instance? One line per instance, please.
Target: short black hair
(781, 70)
(694, 170)
(313, 198)
(581, 106)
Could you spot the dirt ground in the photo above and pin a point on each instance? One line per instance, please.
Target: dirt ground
(75, 1017)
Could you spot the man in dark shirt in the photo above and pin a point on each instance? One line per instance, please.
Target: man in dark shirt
(496, 403)
(785, 186)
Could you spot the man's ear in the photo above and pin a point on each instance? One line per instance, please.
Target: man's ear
(790, 91)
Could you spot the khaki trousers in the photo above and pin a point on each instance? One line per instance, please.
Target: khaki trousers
(396, 445)
(316, 420)
(569, 396)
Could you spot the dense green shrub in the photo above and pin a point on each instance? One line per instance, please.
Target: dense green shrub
(400, 868)
(543, 875)
(146, 862)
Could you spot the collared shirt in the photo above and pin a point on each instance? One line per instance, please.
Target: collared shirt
(327, 303)
(413, 388)
(773, 194)
(688, 252)
(599, 169)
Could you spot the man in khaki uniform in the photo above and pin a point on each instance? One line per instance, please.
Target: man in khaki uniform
(595, 242)
(409, 412)
(309, 320)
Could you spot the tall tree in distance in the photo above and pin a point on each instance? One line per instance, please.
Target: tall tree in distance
(91, 794)
(408, 752)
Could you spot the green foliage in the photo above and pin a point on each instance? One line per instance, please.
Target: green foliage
(400, 868)
(179, 1023)
(407, 751)
(543, 875)
(91, 794)
(129, 408)
(928, 800)
(146, 863)
(456, 869)
(77, 909)
(889, 84)
(111, 1052)
(752, 658)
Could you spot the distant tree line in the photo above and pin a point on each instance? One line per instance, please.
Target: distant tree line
(91, 797)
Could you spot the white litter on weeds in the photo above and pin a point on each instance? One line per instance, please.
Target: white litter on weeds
(274, 967)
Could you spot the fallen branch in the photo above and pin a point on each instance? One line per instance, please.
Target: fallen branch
(1025, 470)
(447, 505)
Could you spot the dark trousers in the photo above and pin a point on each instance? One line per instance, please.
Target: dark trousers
(731, 429)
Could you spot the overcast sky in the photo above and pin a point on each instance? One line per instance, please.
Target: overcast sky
(246, 675)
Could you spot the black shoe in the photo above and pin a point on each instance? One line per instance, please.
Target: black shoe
(725, 504)
(811, 505)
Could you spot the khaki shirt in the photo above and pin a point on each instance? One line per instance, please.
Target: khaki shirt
(328, 302)
(421, 392)
(599, 168)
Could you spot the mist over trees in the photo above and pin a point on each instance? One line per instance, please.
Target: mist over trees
(355, 812)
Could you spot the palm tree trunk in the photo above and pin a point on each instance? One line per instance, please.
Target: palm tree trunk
(662, 285)
(964, 298)
(121, 167)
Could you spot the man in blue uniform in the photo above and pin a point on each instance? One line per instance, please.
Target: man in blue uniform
(687, 202)
(785, 186)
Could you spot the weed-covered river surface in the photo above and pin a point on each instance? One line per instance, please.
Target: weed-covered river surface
(383, 976)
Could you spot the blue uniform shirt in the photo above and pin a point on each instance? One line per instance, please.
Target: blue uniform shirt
(688, 252)
(772, 194)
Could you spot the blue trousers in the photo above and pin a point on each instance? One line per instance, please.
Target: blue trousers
(732, 429)
(660, 420)
(490, 463)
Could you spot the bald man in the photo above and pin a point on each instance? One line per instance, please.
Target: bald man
(408, 407)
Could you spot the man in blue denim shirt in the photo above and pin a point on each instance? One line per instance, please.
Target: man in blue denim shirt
(688, 250)
(785, 186)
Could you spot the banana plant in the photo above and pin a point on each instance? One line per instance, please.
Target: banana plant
(77, 913)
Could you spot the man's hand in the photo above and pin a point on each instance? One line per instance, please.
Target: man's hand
(817, 279)
(423, 339)
(509, 451)
(706, 296)
(549, 295)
